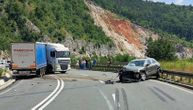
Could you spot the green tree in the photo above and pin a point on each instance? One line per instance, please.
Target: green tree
(161, 49)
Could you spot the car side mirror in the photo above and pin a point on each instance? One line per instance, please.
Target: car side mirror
(147, 65)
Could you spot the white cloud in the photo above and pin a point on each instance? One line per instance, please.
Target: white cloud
(179, 2)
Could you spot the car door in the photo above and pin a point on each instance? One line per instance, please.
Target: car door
(149, 68)
(154, 66)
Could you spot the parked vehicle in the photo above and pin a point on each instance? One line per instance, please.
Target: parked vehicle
(58, 58)
(28, 58)
(140, 69)
(2, 65)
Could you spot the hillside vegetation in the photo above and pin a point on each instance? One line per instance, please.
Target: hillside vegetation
(170, 20)
(53, 18)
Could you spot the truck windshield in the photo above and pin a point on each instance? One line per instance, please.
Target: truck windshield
(62, 54)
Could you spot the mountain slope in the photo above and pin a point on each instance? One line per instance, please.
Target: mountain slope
(128, 37)
(32, 20)
(162, 18)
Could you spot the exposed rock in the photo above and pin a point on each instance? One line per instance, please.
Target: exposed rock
(46, 38)
(128, 37)
(183, 52)
(4, 54)
(76, 47)
(31, 27)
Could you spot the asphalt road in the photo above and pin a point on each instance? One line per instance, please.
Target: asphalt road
(86, 90)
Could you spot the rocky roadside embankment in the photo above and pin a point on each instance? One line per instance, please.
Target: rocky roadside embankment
(6, 80)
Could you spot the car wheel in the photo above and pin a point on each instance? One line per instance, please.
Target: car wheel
(121, 78)
(158, 74)
(143, 76)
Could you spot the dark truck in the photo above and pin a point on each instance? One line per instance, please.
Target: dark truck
(139, 69)
(28, 58)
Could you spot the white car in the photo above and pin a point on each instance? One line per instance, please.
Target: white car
(2, 65)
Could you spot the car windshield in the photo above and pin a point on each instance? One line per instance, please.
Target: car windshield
(137, 63)
(62, 54)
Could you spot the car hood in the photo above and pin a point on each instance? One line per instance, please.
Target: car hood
(133, 68)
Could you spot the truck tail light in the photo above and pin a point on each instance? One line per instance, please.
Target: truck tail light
(14, 65)
(33, 65)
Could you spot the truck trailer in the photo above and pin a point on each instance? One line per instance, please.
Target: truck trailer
(28, 58)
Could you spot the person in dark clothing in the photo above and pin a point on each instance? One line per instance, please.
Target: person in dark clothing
(86, 64)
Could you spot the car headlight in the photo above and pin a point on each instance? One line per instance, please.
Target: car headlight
(124, 69)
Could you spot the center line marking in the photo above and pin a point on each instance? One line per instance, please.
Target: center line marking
(51, 97)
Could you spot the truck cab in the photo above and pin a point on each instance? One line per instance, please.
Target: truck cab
(58, 58)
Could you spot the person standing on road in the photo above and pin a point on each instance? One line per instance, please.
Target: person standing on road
(90, 64)
(87, 65)
(84, 64)
(80, 64)
(94, 62)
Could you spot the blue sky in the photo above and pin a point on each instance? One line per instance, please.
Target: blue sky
(178, 2)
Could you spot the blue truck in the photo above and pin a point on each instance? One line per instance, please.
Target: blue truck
(28, 58)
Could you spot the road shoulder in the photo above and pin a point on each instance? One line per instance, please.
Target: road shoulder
(6, 81)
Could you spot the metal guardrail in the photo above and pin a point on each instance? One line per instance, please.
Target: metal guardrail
(177, 77)
(168, 76)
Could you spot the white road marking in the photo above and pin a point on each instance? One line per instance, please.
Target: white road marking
(114, 98)
(101, 81)
(182, 89)
(83, 74)
(43, 101)
(107, 100)
(11, 88)
(55, 95)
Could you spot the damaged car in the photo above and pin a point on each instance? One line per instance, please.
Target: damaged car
(140, 69)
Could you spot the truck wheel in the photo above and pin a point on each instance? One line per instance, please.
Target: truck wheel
(158, 74)
(120, 78)
(49, 69)
(38, 73)
(143, 76)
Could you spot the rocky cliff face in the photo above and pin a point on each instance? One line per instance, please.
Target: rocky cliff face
(183, 52)
(79, 46)
(128, 37)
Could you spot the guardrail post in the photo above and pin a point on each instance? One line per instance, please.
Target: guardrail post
(172, 77)
(181, 78)
(189, 80)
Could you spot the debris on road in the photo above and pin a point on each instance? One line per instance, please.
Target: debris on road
(110, 82)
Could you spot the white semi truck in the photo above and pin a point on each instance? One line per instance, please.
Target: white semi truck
(58, 58)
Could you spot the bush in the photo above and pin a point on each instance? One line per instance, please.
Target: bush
(161, 49)
(123, 58)
(1, 71)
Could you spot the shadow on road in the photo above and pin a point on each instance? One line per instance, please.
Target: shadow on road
(24, 77)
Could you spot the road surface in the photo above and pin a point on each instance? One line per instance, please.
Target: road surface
(86, 90)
